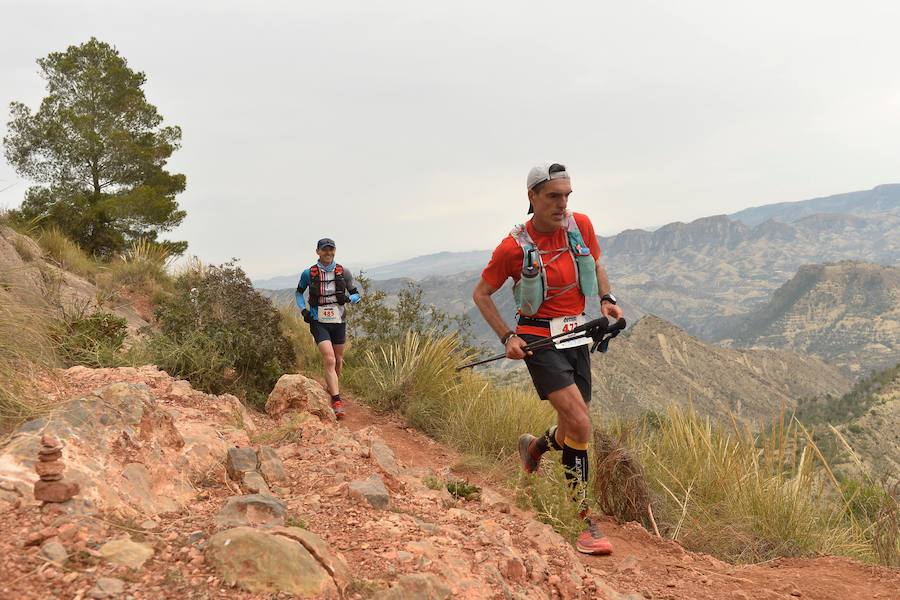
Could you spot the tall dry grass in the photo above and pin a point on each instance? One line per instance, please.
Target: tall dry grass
(26, 352)
(738, 495)
(67, 254)
(143, 264)
(416, 376)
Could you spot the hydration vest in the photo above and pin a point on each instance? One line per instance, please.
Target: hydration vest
(532, 289)
(317, 285)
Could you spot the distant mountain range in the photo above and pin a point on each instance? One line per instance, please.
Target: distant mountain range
(881, 199)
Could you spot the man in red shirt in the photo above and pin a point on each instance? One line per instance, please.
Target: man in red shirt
(561, 373)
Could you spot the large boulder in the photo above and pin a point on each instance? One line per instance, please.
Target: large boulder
(330, 560)
(259, 561)
(129, 449)
(296, 392)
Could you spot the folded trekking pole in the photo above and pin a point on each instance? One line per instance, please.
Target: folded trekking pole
(600, 330)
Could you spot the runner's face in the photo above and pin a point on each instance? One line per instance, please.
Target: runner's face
(326, 255)
(550, 203)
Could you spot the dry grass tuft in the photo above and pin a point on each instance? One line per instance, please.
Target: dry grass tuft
(67, 254)
(619, 485)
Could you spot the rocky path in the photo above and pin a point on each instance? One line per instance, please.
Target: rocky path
(167, 509)
(652, 568)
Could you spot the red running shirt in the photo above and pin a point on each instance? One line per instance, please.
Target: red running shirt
(507, 262)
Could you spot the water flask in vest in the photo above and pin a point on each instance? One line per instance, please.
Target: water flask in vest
(529, 290)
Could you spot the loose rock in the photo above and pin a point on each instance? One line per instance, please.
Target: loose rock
(255, 484)
(296, 392)
(107, 587)
(255, 510)
(240, 461)
(126, 553)
(371, 490)
(54, 551)
(270, 465)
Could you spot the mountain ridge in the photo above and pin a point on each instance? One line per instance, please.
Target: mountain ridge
(880, 199)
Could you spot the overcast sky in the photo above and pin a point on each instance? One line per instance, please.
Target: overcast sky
(405, 128)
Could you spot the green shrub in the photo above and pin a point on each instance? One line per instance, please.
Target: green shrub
(550, 497)
(221, 334)
(463, 489)
(855, 403)
(92, 340)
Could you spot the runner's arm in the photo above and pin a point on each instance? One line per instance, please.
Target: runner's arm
(608, 309)
(482, 298)
(352, 292)
(301, 287)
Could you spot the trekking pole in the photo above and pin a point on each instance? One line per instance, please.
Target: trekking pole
(598, 329)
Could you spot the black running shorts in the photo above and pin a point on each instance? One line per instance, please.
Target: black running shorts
(336, 333)
(552, 369)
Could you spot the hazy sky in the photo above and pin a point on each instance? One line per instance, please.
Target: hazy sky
(404, 128)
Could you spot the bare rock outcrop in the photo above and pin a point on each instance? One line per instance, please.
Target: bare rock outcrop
(152, 448)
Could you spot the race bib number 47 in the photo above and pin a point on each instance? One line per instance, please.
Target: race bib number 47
(329, 314)
(563, 324)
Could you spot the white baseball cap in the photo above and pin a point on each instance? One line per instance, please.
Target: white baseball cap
(544, 172)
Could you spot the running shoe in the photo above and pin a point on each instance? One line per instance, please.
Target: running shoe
(592, 540)
(530, 462)
(338, 407)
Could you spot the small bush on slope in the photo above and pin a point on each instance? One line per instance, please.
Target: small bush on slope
(221, 334)
(92, 340)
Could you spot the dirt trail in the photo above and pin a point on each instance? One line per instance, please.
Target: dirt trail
(656, 568)
(479, 549)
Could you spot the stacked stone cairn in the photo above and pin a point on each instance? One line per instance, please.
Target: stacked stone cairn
(51, 487)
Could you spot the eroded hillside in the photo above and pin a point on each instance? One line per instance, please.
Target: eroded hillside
(658, 363)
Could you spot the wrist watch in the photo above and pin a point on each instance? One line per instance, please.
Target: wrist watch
(608, 298)
(506, 337)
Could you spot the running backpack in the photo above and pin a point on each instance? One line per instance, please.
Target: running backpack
(532, 288)
(317, 285)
